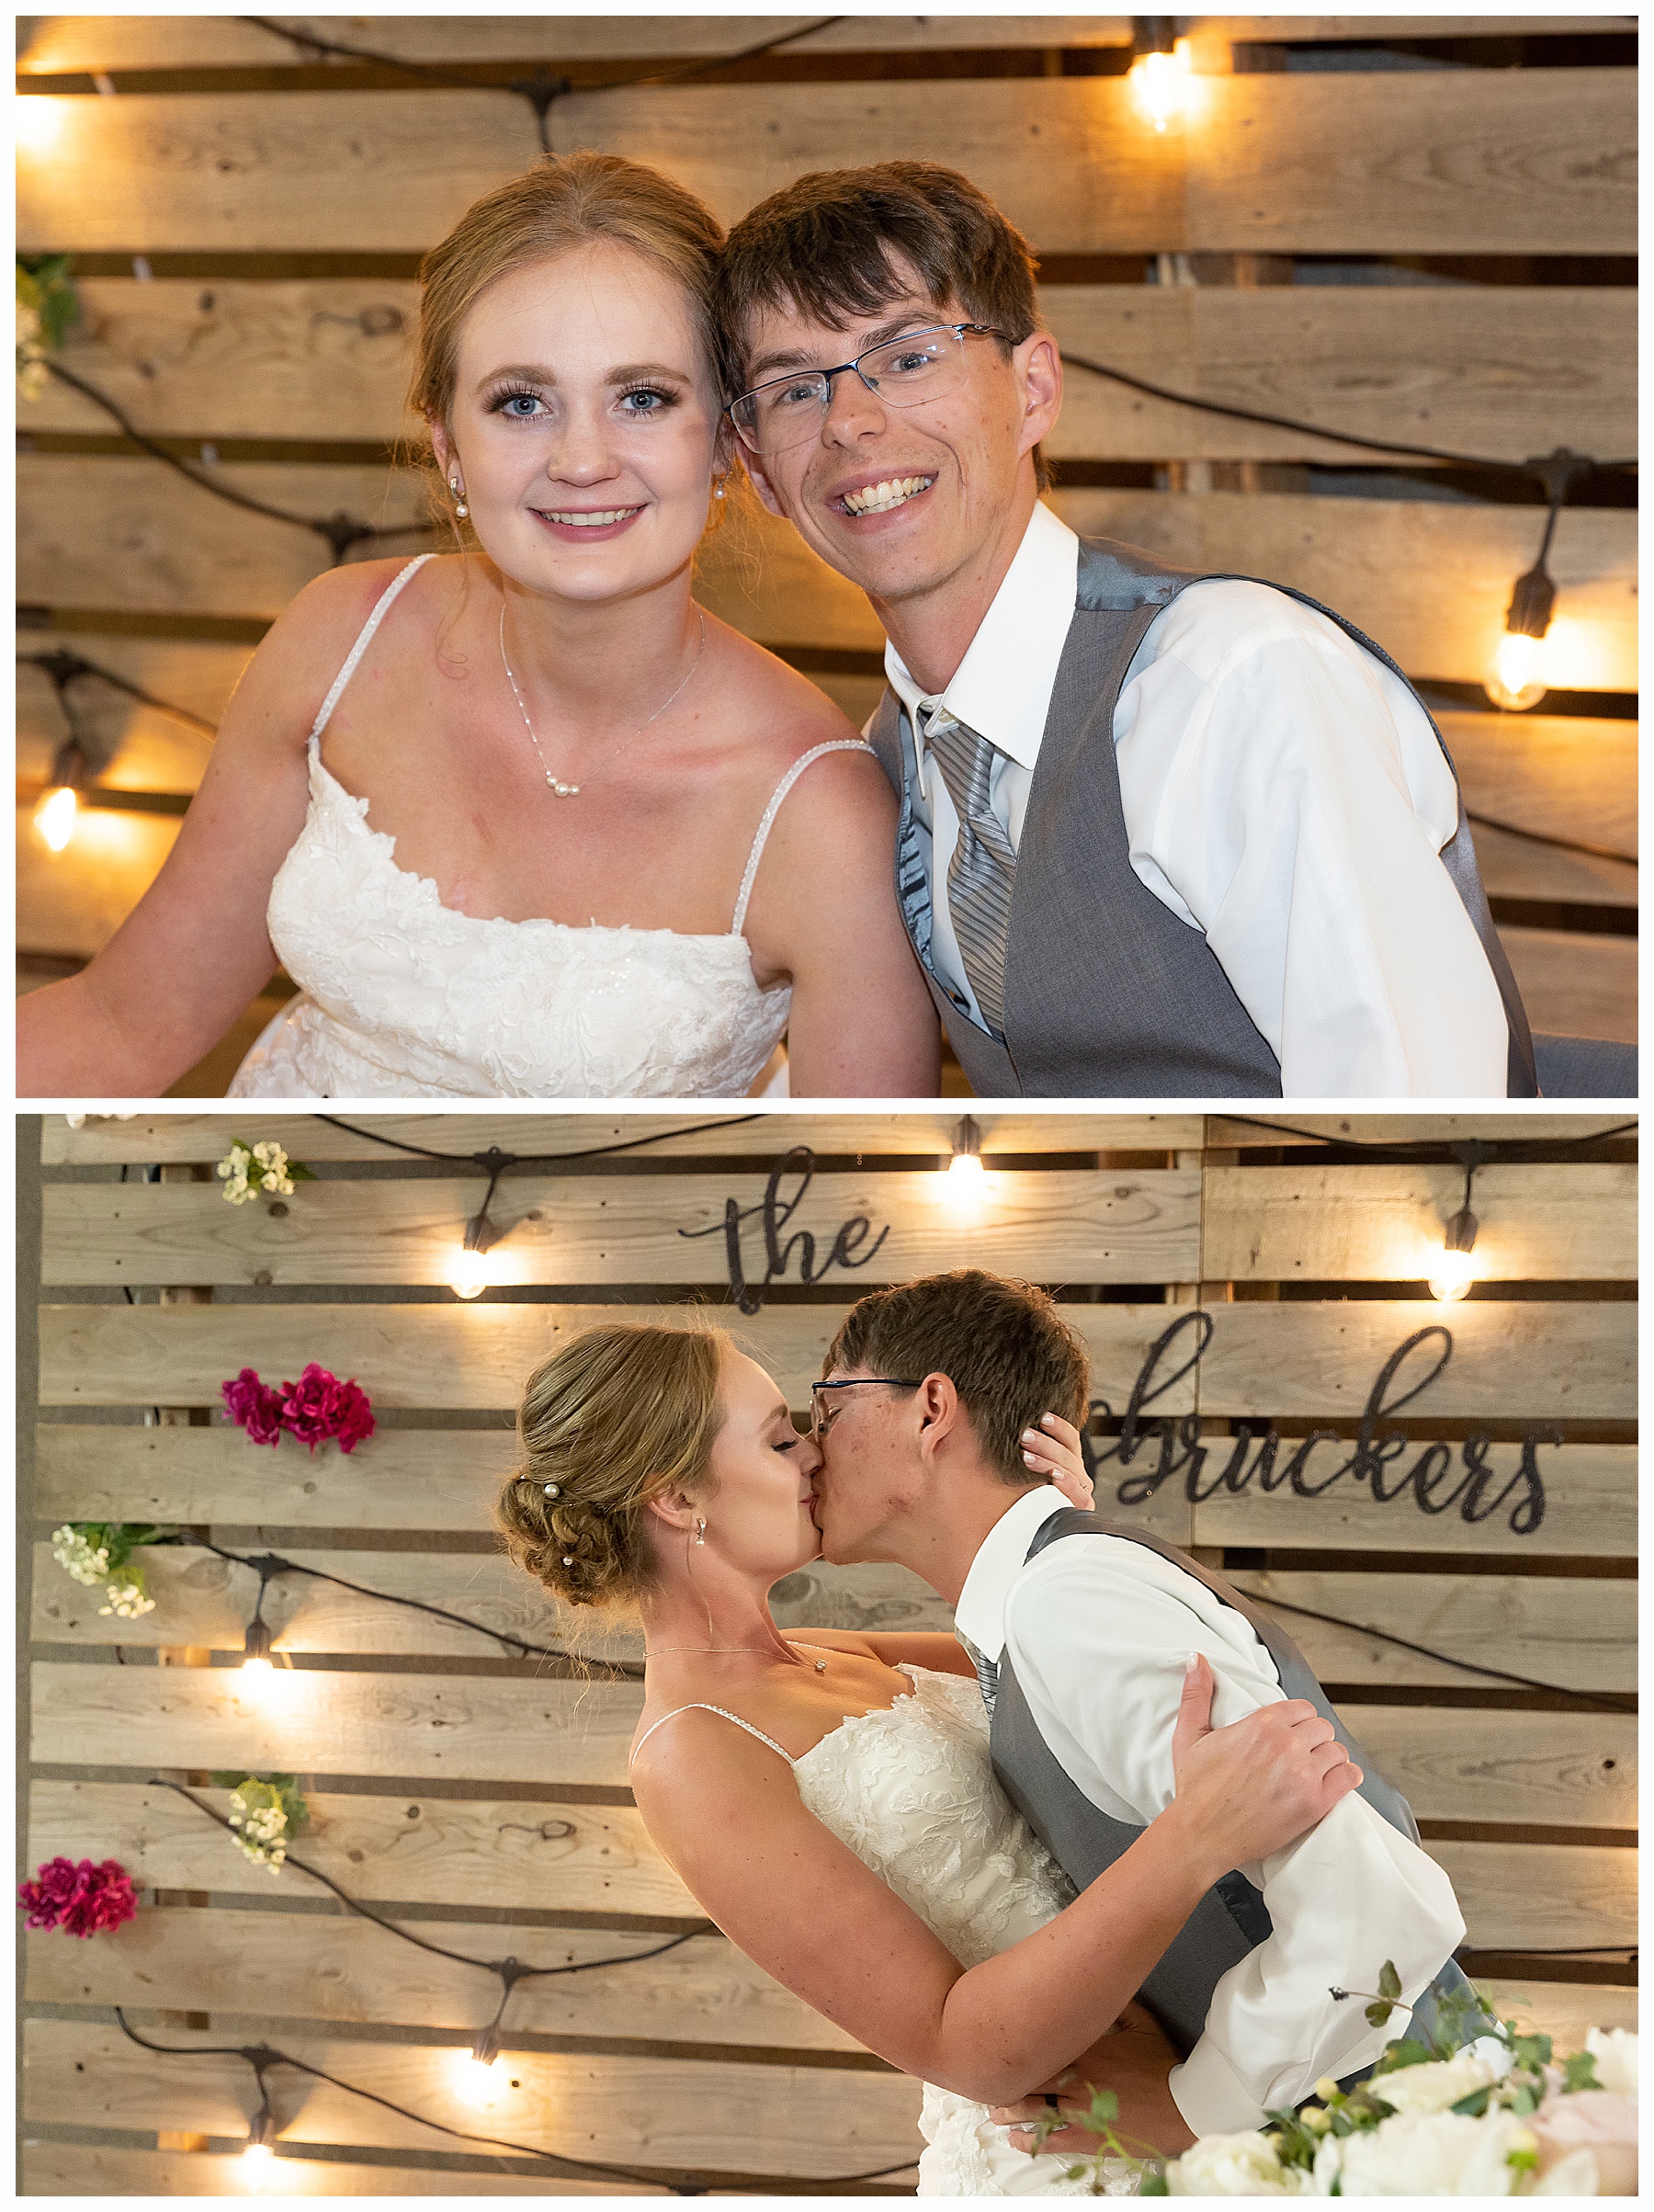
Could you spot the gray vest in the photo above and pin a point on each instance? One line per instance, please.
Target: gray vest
(1108, 994)
(1231, 1918)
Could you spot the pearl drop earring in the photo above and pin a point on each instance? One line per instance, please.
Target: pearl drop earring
(460, 506)
(718, 489)
(700, 1532)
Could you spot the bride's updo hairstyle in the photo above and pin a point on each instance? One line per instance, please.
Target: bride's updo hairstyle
(617, 1417)
(555, 207)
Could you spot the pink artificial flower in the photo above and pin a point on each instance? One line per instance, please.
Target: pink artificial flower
(319, 1405)
(85, 1898)
(254, 1407)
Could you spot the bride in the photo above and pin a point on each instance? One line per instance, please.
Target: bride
(830, 1800)
(523, 820)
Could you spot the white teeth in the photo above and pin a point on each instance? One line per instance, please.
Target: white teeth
(878, 499)
(592, 522)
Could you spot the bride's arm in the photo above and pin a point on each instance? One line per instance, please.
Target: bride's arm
(727, 1814)
(823, 911)
(196, 948)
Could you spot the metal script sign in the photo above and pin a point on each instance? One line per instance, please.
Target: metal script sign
(1437, 1481)
(776, 1213)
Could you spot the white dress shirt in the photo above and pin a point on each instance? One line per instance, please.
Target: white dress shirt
(1099, 1631)
(1282, 791)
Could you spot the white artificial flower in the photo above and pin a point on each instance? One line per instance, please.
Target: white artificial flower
(1419, 2090)
(1615, 2051)
(1434, 2154)
(87, 1563)
(128, 1600)
(1235, 2165)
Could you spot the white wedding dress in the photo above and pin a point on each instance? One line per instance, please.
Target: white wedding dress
(404, 997)
(912, 1791)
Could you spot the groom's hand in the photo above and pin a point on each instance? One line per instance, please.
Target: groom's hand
(1133, 2060)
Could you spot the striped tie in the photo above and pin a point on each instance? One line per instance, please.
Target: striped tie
(983, 867)
(987, 1669)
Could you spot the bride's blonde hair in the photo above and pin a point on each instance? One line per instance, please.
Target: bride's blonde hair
(617, 1417)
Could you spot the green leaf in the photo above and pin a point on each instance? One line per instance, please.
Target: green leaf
(298, 1173)
(1390, 1981)
(1532, 2051)
(1379, 2014)
(1105, 2110)
(1409, 2051)
(229, 1780)
(1473, 2105)
(1153, 2185)
(1526, 2100)
(1579, 2072)
(1521, 2161)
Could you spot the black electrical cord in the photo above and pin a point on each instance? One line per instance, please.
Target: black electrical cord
(486, 1160)
(65, 668)
(1416, 1146)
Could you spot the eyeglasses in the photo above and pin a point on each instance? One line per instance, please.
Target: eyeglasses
(925, 365)
(818, 1427)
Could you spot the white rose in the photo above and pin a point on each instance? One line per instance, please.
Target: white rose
(1435, 2154)
(1615, 2051)
(1433, 2088)
(1234, 2165)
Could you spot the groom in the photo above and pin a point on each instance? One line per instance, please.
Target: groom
(1081, 1631)
(1160, 835)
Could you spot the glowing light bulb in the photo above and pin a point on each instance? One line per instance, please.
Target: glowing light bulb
(1452, 1277)
(966, 1181)
(966, 1171)
(55, 817)
(1515, 679)
(1161, 84)
(476, 2078)
(255, 2161)
(39, 121)
(470, 1272)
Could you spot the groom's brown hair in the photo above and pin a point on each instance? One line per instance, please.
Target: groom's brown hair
(832, 245)
(1004, 1346)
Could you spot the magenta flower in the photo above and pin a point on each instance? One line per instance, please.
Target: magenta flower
(85, 1899)
(253, 1407)
(319, 1405)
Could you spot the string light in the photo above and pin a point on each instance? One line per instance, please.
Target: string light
(1162, 73)
(1454, 1270)
(55, 816)
(37, 121)
(258, 2155)
(966, 1180)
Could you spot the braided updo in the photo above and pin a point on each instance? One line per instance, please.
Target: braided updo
(617, 1417)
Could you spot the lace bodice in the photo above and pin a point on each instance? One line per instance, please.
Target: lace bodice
(911, 1790)
(401, 996)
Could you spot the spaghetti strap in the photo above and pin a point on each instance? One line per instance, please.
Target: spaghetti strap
(364, 639)
(837, 745)
(676, 1709)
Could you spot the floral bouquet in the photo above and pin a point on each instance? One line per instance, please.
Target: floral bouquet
(264, 1811)
(101, 1551)
(85, 1900)
(1497, 2115)
(248, 1169)
(313, 1409)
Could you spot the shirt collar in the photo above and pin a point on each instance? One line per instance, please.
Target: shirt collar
(1003, 687)
(981, 1612)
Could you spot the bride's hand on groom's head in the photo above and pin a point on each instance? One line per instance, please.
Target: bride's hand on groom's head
(1258, 1784)
(1053, 1450)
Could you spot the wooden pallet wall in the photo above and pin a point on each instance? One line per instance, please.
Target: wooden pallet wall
(280, 202)
(455, 1788)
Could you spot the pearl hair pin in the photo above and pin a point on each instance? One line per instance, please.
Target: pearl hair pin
(552, 1490)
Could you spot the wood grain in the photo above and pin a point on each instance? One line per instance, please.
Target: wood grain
(1430, 583)
(451, 1356)
(654, 2112)
(1505, 370)
(526, 1855)
(303, 1969)
(1578, 1635)
(1057, 1225)
(1513, 1361)
(1556, 1770)
(141, 750)
(1562, 777)
(53, 2169)
(1306, 1223)
(1517, 1897)
(203, 1137)
(71, 904)
(1575, 986)
(1589, 1512)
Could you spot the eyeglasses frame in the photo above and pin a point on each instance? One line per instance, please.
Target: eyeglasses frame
(849, 1382)
(959, 330)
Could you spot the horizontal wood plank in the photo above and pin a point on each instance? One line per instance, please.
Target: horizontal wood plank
(453, 1357)
(71, 904)
(1306, 1223)
(1555, 1769)
(1429, 582)
(1559, 776)
(1287, 1128)
(526, 1855)
(1518, 1896)
(304, 1968)
(1576, 1635)
(1130, 1226)
(654, 2112)
(204, 1601)
(1514, 1361)
(1567, 2012)
(1574, 985)
(204, 1137)
(1278, 164)
(1589, 1512)
(137, 748)
(1505, 370)
(53, 2169)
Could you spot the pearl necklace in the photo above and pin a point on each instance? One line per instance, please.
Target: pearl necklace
(725, 1651)
(554, 784)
